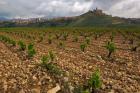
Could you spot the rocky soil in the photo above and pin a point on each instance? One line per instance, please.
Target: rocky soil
(17, 76)
(120, 74)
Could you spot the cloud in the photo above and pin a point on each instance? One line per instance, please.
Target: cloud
(121, 8)
(2, 2)
(62, 8)
(58, 8)
(126, 8)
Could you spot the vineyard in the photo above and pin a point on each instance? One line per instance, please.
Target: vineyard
(69, 60)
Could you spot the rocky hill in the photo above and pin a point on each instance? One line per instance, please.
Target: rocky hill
(94, 17)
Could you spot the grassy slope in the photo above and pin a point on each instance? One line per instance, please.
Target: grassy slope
(93, 20)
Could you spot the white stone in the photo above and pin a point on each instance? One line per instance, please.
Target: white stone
(54, 90)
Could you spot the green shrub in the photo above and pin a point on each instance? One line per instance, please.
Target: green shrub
(85, 36)
(134, 48)
(30, 46)
(31, 53)
(110, 46)
(50, 39)
(7, 40)
(31, 50)
(61, 44)
(45, 60)
(96, 36)
(40, 39)
(65, 36)
(57, 36)
(22, 45)
(13, 42)
(83, 46)
(131, 40)
(51, 55)
(53, 69)
(75, 39)
(112, 36)
(95, 81)
(87, 40)
(86, 91)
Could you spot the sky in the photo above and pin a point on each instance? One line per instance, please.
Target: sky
(63, 8)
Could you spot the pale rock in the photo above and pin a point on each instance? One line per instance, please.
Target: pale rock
(112, 91)
(31, 66)
(103, 86)
(99, 57)
(55, 89)
(36, 90)
(5, 86)
(111, 82)
(21, 91)
(67, 73)
(66, 79)
(119, 74)
(90, 67)
(39, 83)
(71, 89)
(34, 78)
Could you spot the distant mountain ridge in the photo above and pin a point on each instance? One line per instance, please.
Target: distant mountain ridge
(3, 19)
(94, 17)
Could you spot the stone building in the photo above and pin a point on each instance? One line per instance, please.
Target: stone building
(98, 12)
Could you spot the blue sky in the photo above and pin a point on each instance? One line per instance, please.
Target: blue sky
(59, 8)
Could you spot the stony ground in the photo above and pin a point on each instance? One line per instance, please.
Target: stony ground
(18, 76)
(119, 75)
